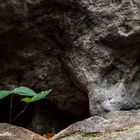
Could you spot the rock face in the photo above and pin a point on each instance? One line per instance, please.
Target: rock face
(119, 125)
(10, 132)
(31, 56)
(76, 47)
(102, 51)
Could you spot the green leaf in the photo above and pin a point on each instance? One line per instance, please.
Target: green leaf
(27, 100)
(46, 92)
(37, 97)
(23, 91)
(4, 93)
(40, 96)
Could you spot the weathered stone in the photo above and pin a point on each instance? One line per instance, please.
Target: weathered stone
(30, 56)
(75, 47)
(10, 132)
(119, 125)
(101, 40)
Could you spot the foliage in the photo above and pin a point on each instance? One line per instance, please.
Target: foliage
(24, 91)
(29, 96)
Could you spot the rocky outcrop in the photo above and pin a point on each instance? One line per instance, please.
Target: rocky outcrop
(76, 47)
(101, 40)
(119, 125)
(10, 132)
(87, 51)
(31, 56)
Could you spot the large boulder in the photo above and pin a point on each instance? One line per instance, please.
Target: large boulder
(10, 132)
(103, 56)
(101, 50)
(119, 125)
(31, 56)
(80, 48)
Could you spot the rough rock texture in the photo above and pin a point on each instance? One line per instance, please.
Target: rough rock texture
(31, 56)
(10, 132)
(75, 47)
(119, 125)
(102, 52)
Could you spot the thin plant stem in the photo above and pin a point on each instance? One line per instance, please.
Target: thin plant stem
(11, 106)
(22, 111)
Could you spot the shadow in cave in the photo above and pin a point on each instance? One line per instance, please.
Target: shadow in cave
(42, 115)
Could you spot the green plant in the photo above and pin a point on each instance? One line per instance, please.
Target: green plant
(29, 97)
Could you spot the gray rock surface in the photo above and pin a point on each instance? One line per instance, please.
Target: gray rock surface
(76, 47)
(10, 132)
(103, 56)
(118, 125)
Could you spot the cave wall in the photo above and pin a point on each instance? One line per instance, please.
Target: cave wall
(85, 50)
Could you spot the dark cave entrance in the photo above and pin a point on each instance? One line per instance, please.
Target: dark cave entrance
(55, 119)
